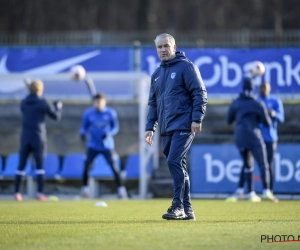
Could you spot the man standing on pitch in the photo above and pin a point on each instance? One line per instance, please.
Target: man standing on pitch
(269, 134)
(34, 138)
(270, 137)
(101, 124)
(248, 113)
(177, 102)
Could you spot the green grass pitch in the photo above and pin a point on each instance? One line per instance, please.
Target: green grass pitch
(137, 224)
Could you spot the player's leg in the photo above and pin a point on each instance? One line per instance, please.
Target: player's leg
(166, 149)
(239, 192)
(39, 151)
(248, 169)
(241, 184)
(246, 173)
(176, 147)
(190, 215)
(23, 156)
(245, 176)
(90, 156)
(271, 149)
(260, 155)
(109, 156)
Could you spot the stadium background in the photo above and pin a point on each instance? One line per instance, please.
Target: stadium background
(35, 33)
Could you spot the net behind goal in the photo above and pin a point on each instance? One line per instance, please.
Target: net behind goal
(119, 87)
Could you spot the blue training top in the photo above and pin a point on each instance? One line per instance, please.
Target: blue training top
(101, 127)
(270, 133)
(247, 113)
(34, 111)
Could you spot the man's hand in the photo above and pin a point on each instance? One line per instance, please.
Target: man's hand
(196, 127)
(27, 82)
(272, 112)
(148, 137)
(58, 104)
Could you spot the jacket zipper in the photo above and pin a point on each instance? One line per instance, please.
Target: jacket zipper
(163, 93)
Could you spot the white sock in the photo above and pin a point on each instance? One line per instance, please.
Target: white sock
(266, 191)
(122, 192)
(85, 189)
(252, 193)
(239, 191)
(123, 174)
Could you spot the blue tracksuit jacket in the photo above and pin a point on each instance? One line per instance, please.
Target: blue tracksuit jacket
(177, 96)
(270, 133)
(34, 110)
(248, 113)
(99, 125)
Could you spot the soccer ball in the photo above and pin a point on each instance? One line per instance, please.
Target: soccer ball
(77, 72)
(257, 68)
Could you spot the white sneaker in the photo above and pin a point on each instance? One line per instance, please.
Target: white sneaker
(270, 196)
(235, 197)
(253, 197)
(231, 199)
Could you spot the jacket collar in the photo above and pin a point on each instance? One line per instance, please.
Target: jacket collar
(179, 55)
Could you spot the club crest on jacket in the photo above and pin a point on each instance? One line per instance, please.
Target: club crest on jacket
(173, 75)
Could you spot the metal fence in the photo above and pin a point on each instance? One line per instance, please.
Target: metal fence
(241, 38)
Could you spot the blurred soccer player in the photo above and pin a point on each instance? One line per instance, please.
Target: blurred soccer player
(34, 109)
(248, 113)
(177, 101)
(101, 123)
(270, 135)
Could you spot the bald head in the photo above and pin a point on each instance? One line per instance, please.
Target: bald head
(264, 89)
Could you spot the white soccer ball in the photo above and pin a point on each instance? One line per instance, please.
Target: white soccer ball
(257, 68)
(77, 72)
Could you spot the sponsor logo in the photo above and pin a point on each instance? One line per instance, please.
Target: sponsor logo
(156, 79)
(217, 170)
(284, 71)
(54, 67)
(221, 167)
(16, 83)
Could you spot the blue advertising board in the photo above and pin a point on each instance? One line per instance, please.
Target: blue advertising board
(32, 61)
(52, 60)
(216, 169)
(222, 70)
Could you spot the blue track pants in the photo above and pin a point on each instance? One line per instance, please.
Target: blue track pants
(175, 148)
